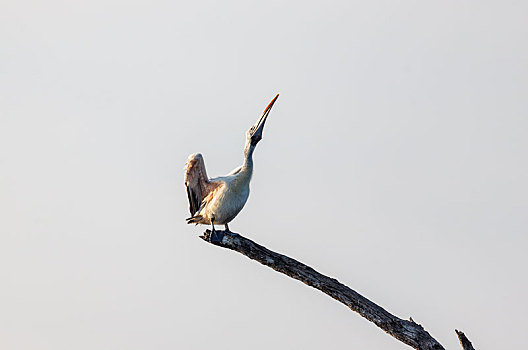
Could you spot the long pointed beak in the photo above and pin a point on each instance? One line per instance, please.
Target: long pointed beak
(259, 126)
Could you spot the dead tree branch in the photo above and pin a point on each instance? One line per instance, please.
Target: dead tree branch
(408, 332)
(464, 341)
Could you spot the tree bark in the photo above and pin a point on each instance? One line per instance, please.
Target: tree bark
(407, 331)
(464, 341)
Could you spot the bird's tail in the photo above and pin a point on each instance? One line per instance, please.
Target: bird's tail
(194, 219)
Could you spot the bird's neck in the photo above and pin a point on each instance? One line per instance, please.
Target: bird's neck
(247, 167)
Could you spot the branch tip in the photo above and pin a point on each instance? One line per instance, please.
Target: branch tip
(464, 341)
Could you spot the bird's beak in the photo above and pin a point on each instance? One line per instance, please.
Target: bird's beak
(256, 134)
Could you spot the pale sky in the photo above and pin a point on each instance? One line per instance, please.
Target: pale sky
(395, 160)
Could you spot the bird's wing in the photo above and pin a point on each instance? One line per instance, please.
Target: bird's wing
(196, 181)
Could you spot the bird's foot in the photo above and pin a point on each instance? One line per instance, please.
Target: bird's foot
(216, 236)
(228, 232)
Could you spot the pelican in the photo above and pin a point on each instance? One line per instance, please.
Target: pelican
(218, 200)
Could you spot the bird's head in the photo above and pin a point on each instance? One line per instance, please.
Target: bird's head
(254, 134)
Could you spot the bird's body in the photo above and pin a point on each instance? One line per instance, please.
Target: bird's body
(226, 195)
(219, 200)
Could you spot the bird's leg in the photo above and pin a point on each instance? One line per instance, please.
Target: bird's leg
(216, 236)
(229, 233)
(212, 224)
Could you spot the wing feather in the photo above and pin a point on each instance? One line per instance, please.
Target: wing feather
(197, 183)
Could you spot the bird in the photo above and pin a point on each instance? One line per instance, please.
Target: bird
(219, 200)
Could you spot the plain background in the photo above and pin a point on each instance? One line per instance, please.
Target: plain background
(395, 160)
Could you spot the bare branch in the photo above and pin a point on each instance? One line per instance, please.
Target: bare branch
(409, 332)
(464, 341)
